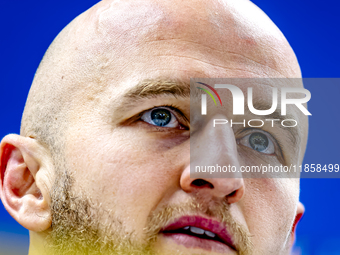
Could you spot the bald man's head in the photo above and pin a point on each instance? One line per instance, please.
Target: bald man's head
(108, 123)
(112, 38)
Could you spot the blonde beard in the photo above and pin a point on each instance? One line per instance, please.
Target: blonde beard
(78, 226)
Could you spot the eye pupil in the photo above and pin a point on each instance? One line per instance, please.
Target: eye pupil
(161, 117)
(258, 141)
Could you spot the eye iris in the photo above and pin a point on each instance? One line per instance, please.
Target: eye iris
(258, 141)
(161, 117)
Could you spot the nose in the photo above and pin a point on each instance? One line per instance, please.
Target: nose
(211, 147)
(230, 188)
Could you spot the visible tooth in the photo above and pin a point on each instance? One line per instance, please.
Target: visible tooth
(210, 234)
(198, 231)
(186, 228)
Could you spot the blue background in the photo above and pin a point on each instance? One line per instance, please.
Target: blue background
(312, 28)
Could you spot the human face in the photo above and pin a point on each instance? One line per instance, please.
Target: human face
(137, 170)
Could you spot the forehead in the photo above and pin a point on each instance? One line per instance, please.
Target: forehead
(121, 43)
(222, 20)
(118, 43)
(211, 38)
(115, 45)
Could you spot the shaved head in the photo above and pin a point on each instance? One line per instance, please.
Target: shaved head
(117, 180)
(111, 37)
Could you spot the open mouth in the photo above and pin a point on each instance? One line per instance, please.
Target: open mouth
(200, 232)
(197, 232)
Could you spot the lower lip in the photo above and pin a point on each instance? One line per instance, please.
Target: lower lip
(194, 242)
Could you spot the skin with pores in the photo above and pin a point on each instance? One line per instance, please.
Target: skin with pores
(85, 152)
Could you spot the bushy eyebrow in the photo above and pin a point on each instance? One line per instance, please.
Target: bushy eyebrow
(147, 89)
(155, 87)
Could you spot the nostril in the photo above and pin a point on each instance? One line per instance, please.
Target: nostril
(236, 195)
(232, 194)
(201, 183)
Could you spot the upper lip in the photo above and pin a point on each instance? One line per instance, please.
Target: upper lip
(211, 225)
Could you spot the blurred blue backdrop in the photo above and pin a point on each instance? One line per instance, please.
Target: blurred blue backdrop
(312, 28)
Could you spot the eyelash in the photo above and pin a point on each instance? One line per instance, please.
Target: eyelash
(174, 110)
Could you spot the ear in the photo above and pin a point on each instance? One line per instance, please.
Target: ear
(299, 213)
(24, 184)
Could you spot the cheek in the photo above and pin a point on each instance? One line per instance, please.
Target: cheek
(269, 209)
(124, 174)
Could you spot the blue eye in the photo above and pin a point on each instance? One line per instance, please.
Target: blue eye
(258, 141)
(160, 117)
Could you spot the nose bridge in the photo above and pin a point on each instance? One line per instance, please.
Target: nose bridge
(215, 145)
(214, 149)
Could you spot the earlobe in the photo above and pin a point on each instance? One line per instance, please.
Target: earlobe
(24, 181)
(299, 213)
